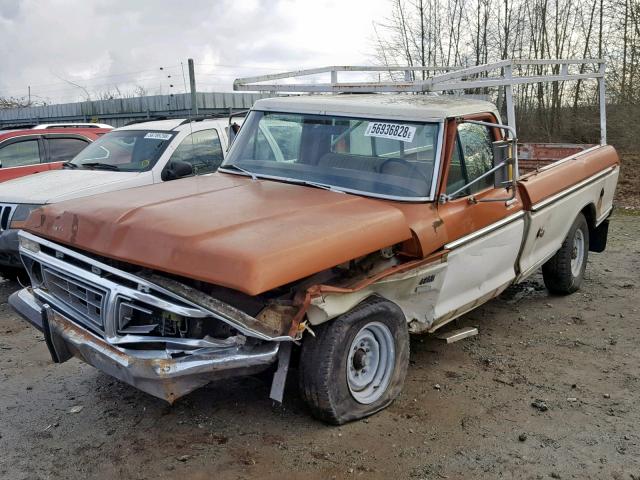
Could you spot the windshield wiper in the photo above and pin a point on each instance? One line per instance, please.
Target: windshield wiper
(100, 166)
(69, 165)
(319, 185)
(253, 175)
(292, 180)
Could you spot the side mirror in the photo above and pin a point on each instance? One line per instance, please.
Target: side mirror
(502, 163)
(232, 131)
(176, 169)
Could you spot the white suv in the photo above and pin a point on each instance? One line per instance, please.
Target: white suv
(131, 156)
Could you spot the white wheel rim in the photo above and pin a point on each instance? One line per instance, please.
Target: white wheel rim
(370, 362)
(577, 253)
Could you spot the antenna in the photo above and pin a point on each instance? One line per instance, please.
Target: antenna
(192, 85)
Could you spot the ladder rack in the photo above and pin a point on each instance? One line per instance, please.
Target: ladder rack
(504, 73)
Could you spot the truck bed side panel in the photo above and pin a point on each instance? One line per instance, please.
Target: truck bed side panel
(551, 216)
(536, 187)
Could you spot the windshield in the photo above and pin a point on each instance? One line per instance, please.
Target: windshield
(386, 158)
(124, 150)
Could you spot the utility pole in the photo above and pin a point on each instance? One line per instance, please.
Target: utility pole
(423, 61)
(192, 85)
(29, 87)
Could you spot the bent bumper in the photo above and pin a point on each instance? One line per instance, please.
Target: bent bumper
(156, 372)
(28, 307)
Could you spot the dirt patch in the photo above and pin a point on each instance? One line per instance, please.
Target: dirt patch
(576, 355)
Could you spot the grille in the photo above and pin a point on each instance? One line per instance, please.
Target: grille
(6, 211)
(87, 301)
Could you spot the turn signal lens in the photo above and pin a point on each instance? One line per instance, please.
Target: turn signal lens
(30, 245)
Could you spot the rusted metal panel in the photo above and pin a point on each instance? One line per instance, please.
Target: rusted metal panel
(263, 237)
(540, 185)
(533, 156)
(550, 151)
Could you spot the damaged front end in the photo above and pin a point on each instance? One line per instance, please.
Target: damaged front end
(158, 334)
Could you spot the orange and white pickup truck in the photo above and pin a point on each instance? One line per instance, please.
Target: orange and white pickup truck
(337, 226)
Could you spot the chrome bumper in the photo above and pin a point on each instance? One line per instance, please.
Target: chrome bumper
(28, 307)
(153, 371)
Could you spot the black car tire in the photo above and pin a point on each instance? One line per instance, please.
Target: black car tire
(564, 272)
(325, 358)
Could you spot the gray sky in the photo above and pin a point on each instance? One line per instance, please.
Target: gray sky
(101, 44)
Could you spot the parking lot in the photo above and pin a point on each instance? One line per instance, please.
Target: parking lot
(466, 410)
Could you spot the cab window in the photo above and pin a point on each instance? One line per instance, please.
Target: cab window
(472, 157)
(202, 150)
(26, 152)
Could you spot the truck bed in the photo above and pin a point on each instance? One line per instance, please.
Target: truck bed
(534, 156)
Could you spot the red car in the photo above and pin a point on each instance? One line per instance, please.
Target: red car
(44, 147)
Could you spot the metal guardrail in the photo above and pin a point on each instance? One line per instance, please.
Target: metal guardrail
(118, 112)
(504, 73)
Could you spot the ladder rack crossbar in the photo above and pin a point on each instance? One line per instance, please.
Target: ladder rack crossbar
(479, 72)
(504, 73)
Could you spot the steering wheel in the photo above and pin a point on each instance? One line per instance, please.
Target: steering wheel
(406, 163)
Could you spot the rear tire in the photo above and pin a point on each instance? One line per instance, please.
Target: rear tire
(357, 363)
(564, 272)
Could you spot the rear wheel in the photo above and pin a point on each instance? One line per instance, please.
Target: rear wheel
(563, 273)
(356, 364)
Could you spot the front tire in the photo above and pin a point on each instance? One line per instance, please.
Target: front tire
(357, 363)
(564, 272)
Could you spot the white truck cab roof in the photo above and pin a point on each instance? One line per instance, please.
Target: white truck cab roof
(380, 105)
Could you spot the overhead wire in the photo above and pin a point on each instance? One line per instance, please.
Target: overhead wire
(145, 78)
(98, 77)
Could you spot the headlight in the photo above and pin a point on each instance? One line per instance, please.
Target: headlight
(22, 211)
(29, 244)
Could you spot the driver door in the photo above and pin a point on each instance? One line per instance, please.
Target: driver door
(484, 237)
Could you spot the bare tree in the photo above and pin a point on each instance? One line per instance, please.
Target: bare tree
(468, 32)
(19, 102)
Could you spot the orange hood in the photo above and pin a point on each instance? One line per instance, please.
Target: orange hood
(224, 229)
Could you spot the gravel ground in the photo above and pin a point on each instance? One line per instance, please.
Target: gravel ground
(466, 411)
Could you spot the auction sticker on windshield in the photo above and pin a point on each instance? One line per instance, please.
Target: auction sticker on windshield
(395, 131)
(158, 136)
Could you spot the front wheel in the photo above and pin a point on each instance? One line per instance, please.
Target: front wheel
(356, 364)
(563, 273)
